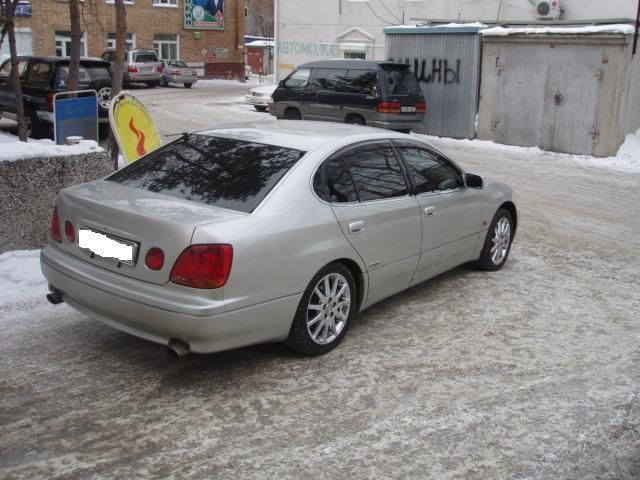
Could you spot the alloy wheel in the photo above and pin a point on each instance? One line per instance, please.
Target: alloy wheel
(501, 240)
(328, 309)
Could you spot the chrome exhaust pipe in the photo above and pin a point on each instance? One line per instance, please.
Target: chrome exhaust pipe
(178, 348)
(55, 296)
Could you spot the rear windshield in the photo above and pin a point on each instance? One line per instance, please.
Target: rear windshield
(146, 57)
(224, 172)
(400, 81)
(176, 63)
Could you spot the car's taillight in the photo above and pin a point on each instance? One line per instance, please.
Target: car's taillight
(389, 107)
(176, 72)
(203, 266)
(69, 231)
(55, 226)
(154, 258)
(160, 68)
(132, 69)
(421, 107)
(50, 98)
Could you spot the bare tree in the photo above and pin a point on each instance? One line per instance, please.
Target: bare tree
(118, 67)
(9, 29)
(76, 35)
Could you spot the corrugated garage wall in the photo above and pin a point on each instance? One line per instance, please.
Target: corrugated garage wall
(446, 62)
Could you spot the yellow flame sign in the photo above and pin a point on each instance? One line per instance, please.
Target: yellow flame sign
(133, 126)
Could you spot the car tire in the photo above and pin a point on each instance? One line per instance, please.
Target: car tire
(322, 320)
(188, 85)
(164, 83)
(497, 244)
(260, 108)
(32, 124)
(356, 120)
(292, 114)
(152, 84)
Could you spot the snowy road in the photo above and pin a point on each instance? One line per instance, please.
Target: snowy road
(532, 372)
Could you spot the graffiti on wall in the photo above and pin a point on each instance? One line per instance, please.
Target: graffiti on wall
(439, 71)
(307, 48)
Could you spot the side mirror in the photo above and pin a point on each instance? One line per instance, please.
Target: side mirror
(281, 83)
(473, 181)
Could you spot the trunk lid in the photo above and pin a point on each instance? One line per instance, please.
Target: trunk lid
(135, 217)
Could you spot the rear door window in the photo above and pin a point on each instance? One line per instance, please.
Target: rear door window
(376, 172)
(362, 82)
(333, 183)
(218, 171)
(329, 79)
(39, 74)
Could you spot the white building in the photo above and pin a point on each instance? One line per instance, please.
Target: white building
(308, 30)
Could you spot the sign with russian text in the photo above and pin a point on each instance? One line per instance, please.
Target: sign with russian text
(133, 126)
(75, 114)
(204, 14)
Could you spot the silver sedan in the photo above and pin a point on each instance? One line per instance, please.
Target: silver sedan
(175, 71)
(278, 231)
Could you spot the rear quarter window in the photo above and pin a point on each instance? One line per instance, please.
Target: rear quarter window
(217, 171)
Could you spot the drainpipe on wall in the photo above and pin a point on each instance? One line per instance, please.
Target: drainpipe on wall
(276, 35)
(635, 38)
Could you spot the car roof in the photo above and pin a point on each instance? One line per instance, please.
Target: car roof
(299, 134)
(351, 64)
(63, 60)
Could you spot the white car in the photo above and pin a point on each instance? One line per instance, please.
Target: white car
(260, 97)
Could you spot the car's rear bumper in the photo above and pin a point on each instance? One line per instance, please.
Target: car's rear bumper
(181, 78)
(143, 77)
(142, 309)
(397, 123)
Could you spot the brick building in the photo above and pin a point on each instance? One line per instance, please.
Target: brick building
(204, 33)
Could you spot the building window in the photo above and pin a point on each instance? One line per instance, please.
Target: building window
(63, 44)
(130, 41)
(165, 3)
(360, 55)
(166, 46)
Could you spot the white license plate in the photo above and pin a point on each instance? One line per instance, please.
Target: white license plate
(407, 109)
(106, 246)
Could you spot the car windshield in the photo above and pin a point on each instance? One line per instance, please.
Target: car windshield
(400, 81)
(146, 57)
(218, 171)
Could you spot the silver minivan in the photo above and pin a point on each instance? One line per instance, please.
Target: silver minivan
(376, 93)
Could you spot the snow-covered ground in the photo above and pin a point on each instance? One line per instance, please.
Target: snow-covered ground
(529, 372)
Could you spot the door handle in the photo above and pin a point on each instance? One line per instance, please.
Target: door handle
(356, 227)
(429, 211)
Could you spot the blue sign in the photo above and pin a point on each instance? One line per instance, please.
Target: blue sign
(76, 117)
(23, 9)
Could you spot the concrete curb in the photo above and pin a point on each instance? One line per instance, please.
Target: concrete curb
(28, 189)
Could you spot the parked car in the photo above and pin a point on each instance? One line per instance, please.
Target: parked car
(175, 71)
(274, 231)
(41, 79)
(375, 93)
(140, 66)
(260, 97)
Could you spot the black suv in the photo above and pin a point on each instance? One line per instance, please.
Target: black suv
(42, 78)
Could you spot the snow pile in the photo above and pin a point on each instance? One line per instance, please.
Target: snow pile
(20, 276)
(585, 30)
(627, 159)
(11, 149)
(446, 25)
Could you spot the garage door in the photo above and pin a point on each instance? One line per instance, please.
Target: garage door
(548, 97)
